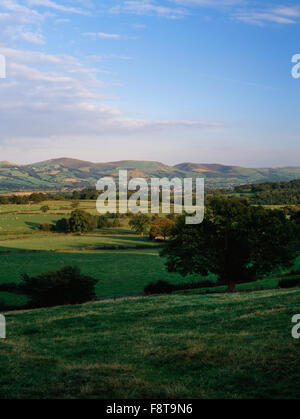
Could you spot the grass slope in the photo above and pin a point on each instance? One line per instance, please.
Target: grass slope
(72, 173)
(228, 346)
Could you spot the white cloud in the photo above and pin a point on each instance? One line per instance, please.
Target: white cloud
(53, 5)
(240, 10)
(19, 22)
(35, 38)
(280, 15)
(102, 35)
(56, 95)
(208, 3)
(149, 7)
(57, 21)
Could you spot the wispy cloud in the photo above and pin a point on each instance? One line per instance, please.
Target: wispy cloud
(208, 3)
(19, 22)
(57, 95)
(63, 20)
(102, 35)
(281, 15)
(33, 37)
(53, 5)
(246, 11)
(150, 8)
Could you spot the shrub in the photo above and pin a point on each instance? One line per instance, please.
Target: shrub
(159, 287)
(3, 305)
(103, 221)
(45, 208)
(65, 286)
(206, 283)
(62, 226)
(164, 287)
(289, 283)
(46, 227)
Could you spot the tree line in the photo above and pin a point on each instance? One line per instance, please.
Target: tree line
(275, 193)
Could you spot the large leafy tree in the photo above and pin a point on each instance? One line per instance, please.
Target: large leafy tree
(140, 223)
(236, 241)
(79, 222)
(82, 222)
(161, 227)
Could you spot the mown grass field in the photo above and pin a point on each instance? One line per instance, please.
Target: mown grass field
(214, 346)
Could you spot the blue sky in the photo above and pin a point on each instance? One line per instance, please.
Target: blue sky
(168, 80)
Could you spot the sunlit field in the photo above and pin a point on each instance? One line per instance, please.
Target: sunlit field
(122, 261)
(215, 346)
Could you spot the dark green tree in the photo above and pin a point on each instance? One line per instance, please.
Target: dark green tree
(82, 222)
(236, 241)
(140, 223)
(79, 222)
(62, 226)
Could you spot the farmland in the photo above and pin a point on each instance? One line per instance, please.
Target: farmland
(123, 262)
(215, 346)
(196, 343)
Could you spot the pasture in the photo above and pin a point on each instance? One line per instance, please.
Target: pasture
(123, 262)
(214, 346)
(187, 345)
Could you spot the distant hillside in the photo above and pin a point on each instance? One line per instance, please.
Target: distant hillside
(65, 173)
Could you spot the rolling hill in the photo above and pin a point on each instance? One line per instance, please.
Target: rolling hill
(66, 173)
(169, 347)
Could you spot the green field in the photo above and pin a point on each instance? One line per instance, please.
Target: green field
(216, 346)
(197, 343)
(123, 262)
(125, 268)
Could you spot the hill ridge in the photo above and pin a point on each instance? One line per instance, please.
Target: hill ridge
(69, 173)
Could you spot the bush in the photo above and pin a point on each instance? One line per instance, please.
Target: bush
(164, 287)
(289, 283)
(159, 287)
(65, 286)
(103, 221)
(62, 226)
(46, 227)
(3, 305)
(45, 208)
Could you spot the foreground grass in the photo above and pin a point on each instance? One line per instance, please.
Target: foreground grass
(229, 346)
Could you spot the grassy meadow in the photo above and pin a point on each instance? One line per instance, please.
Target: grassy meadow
(213, 346)
(123, 262)
(187, 345)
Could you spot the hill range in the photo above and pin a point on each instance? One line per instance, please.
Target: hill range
(66, 173)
